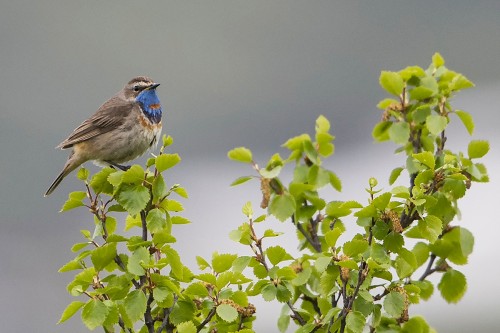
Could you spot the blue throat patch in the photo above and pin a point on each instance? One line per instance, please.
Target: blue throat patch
(150, 105)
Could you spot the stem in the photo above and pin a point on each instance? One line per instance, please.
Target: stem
(315, 245)
(428, 270)
(144, 226)
(207, 320)
(166, 314)
(148, 318)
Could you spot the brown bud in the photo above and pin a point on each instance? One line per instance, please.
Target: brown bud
(266, 192)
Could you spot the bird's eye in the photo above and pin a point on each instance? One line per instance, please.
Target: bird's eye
(136, 88)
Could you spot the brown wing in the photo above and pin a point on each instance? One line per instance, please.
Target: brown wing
(110, 115)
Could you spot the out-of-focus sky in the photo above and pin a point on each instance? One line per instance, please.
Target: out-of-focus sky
(232, 73)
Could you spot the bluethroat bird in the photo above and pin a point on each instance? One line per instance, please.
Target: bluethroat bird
(122, 129)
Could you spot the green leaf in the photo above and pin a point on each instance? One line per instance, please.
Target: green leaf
(247, 209)
(282, 206)
(75, 199)
(179, 220)
(273, 173)
(70, 310)
(394, 304)
(331, 236)
(460, 82)
(426, 158)
(322, 124)
(103, 256)
(241, 180)
(410, 71)
(452, 286)
(99, 181)
(467, 120)
(140, 255)
(227, 313)
(268, 292)
(156, 220)
(171, 205)
(436, 124)
(186, 327)
(381, 131)
(277, 254)
(393, 241)
(183, 311)
(392, 82)
(159, 188)
(355, 247)
(395, 175)
(71, 266)
(405, 263)
(94, 314)
(135, 305)
(382, 201)
(399, 133)
(83, 174)
(222, 262)
(133, 198)
(134, 175)
(416, 324)
(167, 140)
(437, 60)
(478, 148)
(420, 93)
(335, 181)
(430, 228)
(355, 322)
(240, 154)
(166, 161)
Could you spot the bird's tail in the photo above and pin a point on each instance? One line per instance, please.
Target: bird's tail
(71, 164)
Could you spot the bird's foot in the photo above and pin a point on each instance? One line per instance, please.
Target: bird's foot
(118, 166)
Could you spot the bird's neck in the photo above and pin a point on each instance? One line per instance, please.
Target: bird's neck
(150, 105)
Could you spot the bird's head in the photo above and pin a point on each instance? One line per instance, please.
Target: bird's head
(139, 85)
(142, 90)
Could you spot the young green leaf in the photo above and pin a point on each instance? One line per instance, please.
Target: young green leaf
(135, 305)
(478, 148)
(186, 327)
(140, 255)
(166, 161)
(394, 304)
(103, 256)
(452, 286)
(282, 206)
(94, 313)
(277, 254)
(395, 175)
(222, 262)
(134, 175)
(436, 124)
(70, 310)
(399, 133)
(355, 322)
(156, 220)
(75, 199)
(240, 154)
(241, 180)
(133, 198)
(392, 82)
(437, 60)
(467, 120)
(227, 313)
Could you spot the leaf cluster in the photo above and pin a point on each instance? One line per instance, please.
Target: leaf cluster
(129, 277)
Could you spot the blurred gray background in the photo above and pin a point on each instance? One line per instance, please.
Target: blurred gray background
(232, 73)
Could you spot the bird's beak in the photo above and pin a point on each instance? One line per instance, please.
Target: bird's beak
(154, 86)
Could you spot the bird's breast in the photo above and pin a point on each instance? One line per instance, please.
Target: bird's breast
(151, 131)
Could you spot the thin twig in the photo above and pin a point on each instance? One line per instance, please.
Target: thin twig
(428, 270)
